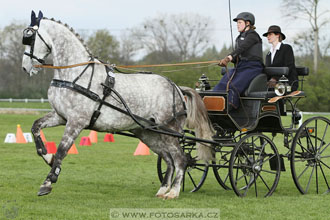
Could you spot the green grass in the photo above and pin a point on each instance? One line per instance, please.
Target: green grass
(107, 175)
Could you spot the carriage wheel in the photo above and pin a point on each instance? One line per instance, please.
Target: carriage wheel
(221, 164)
(220, 167)
(310, 156)
(254, 167)
(196, 171)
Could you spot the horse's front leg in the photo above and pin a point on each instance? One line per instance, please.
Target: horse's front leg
(52, 119)
(72, 130)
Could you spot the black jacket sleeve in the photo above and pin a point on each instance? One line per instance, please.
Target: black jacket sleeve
(244, 43)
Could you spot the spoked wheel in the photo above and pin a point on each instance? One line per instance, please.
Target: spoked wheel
(220, 166)
(254, 166)
(222, 159)
(310, 156)
(196, 171)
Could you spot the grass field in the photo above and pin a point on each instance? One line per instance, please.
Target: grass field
(107, 175)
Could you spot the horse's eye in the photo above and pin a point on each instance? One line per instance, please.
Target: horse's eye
(28, 32)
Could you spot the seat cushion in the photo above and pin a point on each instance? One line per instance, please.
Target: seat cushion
(258, 84)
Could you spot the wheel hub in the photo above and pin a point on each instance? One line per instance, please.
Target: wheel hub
(256, 168)
(318, 157)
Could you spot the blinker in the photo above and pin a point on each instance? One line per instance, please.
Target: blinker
(29, 36)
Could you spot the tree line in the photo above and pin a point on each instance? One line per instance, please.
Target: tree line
(167, 39)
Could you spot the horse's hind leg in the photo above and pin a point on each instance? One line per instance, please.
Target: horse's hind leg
(167, 181)
(49, 120)
(72, 130)
(180, 163)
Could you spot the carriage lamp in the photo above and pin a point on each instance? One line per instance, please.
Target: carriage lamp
(203, 83)
(282, 87)
(296, 117)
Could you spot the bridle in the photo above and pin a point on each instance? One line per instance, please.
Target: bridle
(29, 38)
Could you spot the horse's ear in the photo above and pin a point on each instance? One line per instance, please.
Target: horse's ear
(40, 16)
(33, 19)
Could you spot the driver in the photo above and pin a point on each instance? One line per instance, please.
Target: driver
(247, 58)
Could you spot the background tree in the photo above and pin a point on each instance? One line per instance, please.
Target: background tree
(191, 34)
(14, 82)
(104, 46)
(175, 37)
(308, 10)
(128, 48)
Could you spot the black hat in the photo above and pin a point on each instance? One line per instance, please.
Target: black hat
(274, 29)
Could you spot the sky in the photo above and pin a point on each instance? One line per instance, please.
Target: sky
(119, 15)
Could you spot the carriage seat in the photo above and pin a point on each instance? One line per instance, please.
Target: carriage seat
(276, 71)
(258, 86)
(302, 70)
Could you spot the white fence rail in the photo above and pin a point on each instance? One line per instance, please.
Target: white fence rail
(42, 100)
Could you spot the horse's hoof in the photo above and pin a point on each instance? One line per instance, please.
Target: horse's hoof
(162, 196)
(171, 195)
(44, 190)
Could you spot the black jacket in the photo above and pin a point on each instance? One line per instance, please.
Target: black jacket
(248, 47)
(284, 57)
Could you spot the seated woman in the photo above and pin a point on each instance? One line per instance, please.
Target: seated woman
(280, 55)
(247, 57)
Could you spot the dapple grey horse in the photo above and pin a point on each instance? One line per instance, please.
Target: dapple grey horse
(76, 94)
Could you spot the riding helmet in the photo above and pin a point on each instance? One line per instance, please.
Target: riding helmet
(246, 16)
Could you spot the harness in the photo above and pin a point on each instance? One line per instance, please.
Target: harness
(108, 89)
(29, 37)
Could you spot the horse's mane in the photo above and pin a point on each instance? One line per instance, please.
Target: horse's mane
(72, 31)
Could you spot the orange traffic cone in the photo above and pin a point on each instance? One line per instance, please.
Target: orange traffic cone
(73, 149)
(93, 136)
(109, 138)
(142, 149)
(19, 135)
(51, 147)
(43, 136)
(85, 141)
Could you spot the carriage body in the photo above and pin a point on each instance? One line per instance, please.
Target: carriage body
(255, 114)
(246, 157)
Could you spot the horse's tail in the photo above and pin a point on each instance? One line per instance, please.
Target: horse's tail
(197, 118)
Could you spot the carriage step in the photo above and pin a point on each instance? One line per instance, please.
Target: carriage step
(273, 163)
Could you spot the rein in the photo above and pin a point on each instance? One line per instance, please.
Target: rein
(51, 66)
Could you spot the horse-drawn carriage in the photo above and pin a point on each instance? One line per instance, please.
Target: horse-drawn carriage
(246, 157)
(88, 95)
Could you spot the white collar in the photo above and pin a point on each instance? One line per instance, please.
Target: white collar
(272, 49)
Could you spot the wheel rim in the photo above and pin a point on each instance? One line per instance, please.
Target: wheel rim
(220, 167)
(310, 156)
(222, 159)
(196, 171)
(254, 166)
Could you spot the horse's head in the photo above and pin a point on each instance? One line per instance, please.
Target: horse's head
(37, 44)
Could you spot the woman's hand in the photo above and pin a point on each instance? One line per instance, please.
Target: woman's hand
(271, 83)
(224, 62)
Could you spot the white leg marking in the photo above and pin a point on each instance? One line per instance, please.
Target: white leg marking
(48, 158)
(161, 192)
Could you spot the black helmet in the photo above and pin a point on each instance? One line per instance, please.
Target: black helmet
(246, 16)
